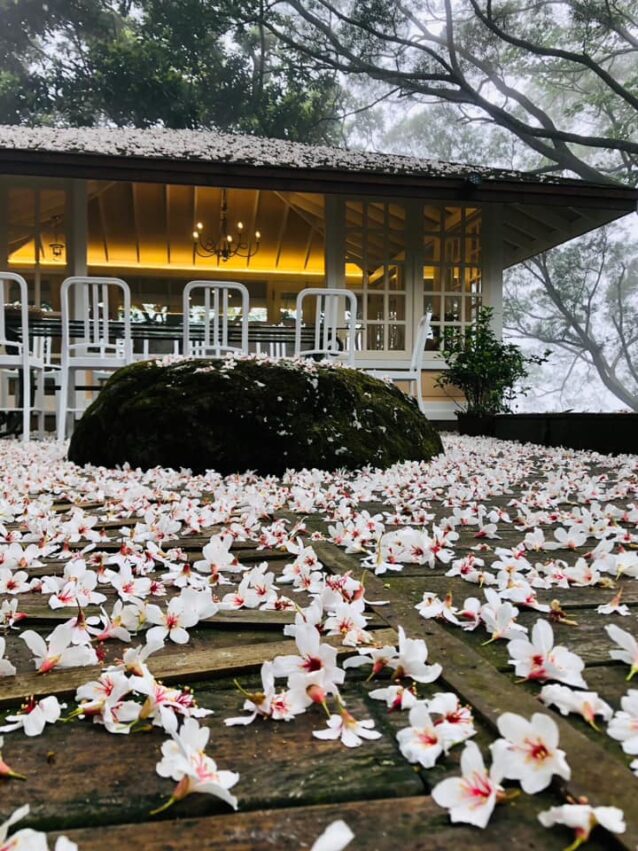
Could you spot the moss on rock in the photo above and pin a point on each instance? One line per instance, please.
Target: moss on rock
(237, 415)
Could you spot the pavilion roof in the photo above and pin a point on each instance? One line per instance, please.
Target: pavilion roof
(233, 149)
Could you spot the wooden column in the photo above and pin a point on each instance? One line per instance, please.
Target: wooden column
(492, 262)
(335, 241)
(413, 269)
(76, 226)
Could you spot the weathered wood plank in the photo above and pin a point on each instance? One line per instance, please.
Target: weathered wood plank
(412, 823)
(569, 598)
(184, 664)
(92, 775)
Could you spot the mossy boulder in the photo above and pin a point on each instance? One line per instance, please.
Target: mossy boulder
(236, 415)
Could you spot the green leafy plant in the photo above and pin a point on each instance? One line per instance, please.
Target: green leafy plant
(485, 368)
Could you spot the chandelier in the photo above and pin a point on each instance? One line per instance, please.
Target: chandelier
(226, 245)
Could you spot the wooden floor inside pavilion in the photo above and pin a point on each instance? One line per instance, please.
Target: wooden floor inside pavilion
(98, 789)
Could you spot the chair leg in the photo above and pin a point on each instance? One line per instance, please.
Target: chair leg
(26, 405)
(419, 392)
(40, 400)
(63, 398)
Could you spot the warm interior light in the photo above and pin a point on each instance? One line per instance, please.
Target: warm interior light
(229, 238)
(195, 234)
(257, 235)
(200, 226)
(240, 226)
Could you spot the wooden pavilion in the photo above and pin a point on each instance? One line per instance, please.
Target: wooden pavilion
(406, 235)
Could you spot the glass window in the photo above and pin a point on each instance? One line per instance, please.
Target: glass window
(452, 270)
(375, 248)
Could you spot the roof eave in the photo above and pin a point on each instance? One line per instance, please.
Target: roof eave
(38, 163)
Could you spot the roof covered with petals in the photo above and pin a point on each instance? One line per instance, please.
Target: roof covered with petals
(237, 149)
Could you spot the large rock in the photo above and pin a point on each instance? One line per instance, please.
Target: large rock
(236, 415)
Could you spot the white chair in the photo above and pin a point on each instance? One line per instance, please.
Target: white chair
(20, 364)
(96, 345)
(413, 373)
(216, 319)
(327, 324)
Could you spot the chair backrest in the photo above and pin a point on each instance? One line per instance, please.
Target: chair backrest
(423, 333)
(216, 318)
(327, 323)
(43, 350)
(7, 278)
(93, 331)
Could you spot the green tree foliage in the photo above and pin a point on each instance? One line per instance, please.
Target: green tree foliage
(174, 63)
(486, 369)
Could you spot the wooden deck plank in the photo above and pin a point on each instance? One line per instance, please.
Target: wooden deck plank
(90, 778)
(182, 664)
(569, 598)
(412, 823)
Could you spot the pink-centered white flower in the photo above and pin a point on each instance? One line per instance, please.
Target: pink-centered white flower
(110, 688)
(499, 617)
(614, 607)
(13, 583)
(28, 839)
(345, 727)
(624, 724)
(377, 657)
(539, 659)
(185, 761)
(217, 557)
(6, 668)
(164, 703)
(172, 622)
(115, 626)
(471, 798)
(268, 703)
(627, 650)
(585, 703)
(432, 606)
(529, 751)
(456, 721)
(422, 741)
(9, 614)
(313, 656)
(128, 586)
(395, 697)
(33, 716)
(583, 818)
(59, 652)
(411, 658)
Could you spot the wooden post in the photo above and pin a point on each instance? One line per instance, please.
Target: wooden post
(492, 262)
(76, 227)
(334, 247)
(37, 244)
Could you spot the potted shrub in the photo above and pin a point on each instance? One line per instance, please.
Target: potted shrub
(486, 369)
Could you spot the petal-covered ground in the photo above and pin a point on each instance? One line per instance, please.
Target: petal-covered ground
(431, 655)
